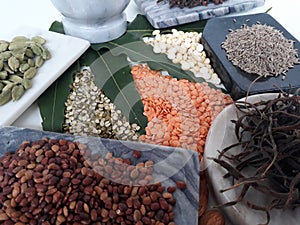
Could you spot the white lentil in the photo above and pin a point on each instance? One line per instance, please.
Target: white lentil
(185, 65)
(184, 48)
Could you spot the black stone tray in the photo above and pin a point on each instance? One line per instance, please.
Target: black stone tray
(236, 81)
(171, 164)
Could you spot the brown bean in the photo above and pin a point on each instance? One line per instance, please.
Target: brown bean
(163, 204)
(87, 181)
(104, 213)
(154, 196)
(72, 204)
(3, 216)
(167, 195)
(79, 207)
(16, 190)
(64, 181)
(181, 185)
(73, 197)
(66, 187)
(146, 220)
(88, 190)
(136, 204)
(20, 197)
(94, 215)
(146, 200)
(171, 189)
(57, 196)
(155, 206)
(51, 191)
(137, 215)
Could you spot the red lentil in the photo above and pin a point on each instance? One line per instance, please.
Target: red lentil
(179, 112)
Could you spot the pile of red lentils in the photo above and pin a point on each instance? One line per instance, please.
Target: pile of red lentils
(179, 112)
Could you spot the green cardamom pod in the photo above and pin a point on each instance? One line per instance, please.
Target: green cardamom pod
(7, 68)
(17, 45)
(3, 75)
(36, 49)
(27, 83)
(3, 46)
(17, 92)
(5, 97)
(46, 54)
(19, 62)
(30, 73)
(9, 85)
(39, 61)
(29, 53)
(5, 55)
(31, 62)
(19, 56)
(39, 39)
(13, 63)
(18, 51)
(23, 67)
(15, 79)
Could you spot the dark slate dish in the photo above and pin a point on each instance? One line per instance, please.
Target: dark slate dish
(235, 80)
(171, 164)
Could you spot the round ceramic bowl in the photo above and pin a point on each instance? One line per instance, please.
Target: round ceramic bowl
(97, 21)
(222, 134)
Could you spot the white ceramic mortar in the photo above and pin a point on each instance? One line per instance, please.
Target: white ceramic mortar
(97, 21)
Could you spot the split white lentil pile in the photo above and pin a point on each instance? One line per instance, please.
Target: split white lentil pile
(179, 112)
(184, 48)
(89, 112)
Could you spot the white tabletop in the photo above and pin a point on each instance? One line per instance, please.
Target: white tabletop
(41, 14)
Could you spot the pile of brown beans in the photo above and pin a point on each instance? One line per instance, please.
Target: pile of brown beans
(53, 181)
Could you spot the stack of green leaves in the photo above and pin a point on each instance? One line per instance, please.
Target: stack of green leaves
(111, 63)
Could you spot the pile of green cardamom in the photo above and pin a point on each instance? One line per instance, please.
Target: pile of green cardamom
(19, 62)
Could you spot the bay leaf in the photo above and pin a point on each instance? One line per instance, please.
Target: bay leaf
(57, 27)
(111, 68)
(132, 44)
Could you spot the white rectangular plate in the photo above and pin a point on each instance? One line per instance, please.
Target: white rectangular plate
(64, 49)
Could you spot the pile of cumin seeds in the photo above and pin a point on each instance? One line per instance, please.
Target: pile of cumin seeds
(260, 49)
(88, 112)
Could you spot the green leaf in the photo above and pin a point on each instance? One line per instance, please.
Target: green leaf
(88, 57)
(57, 27)
(133, 46)
(116, 82)
(109, 64)
(52, 101)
